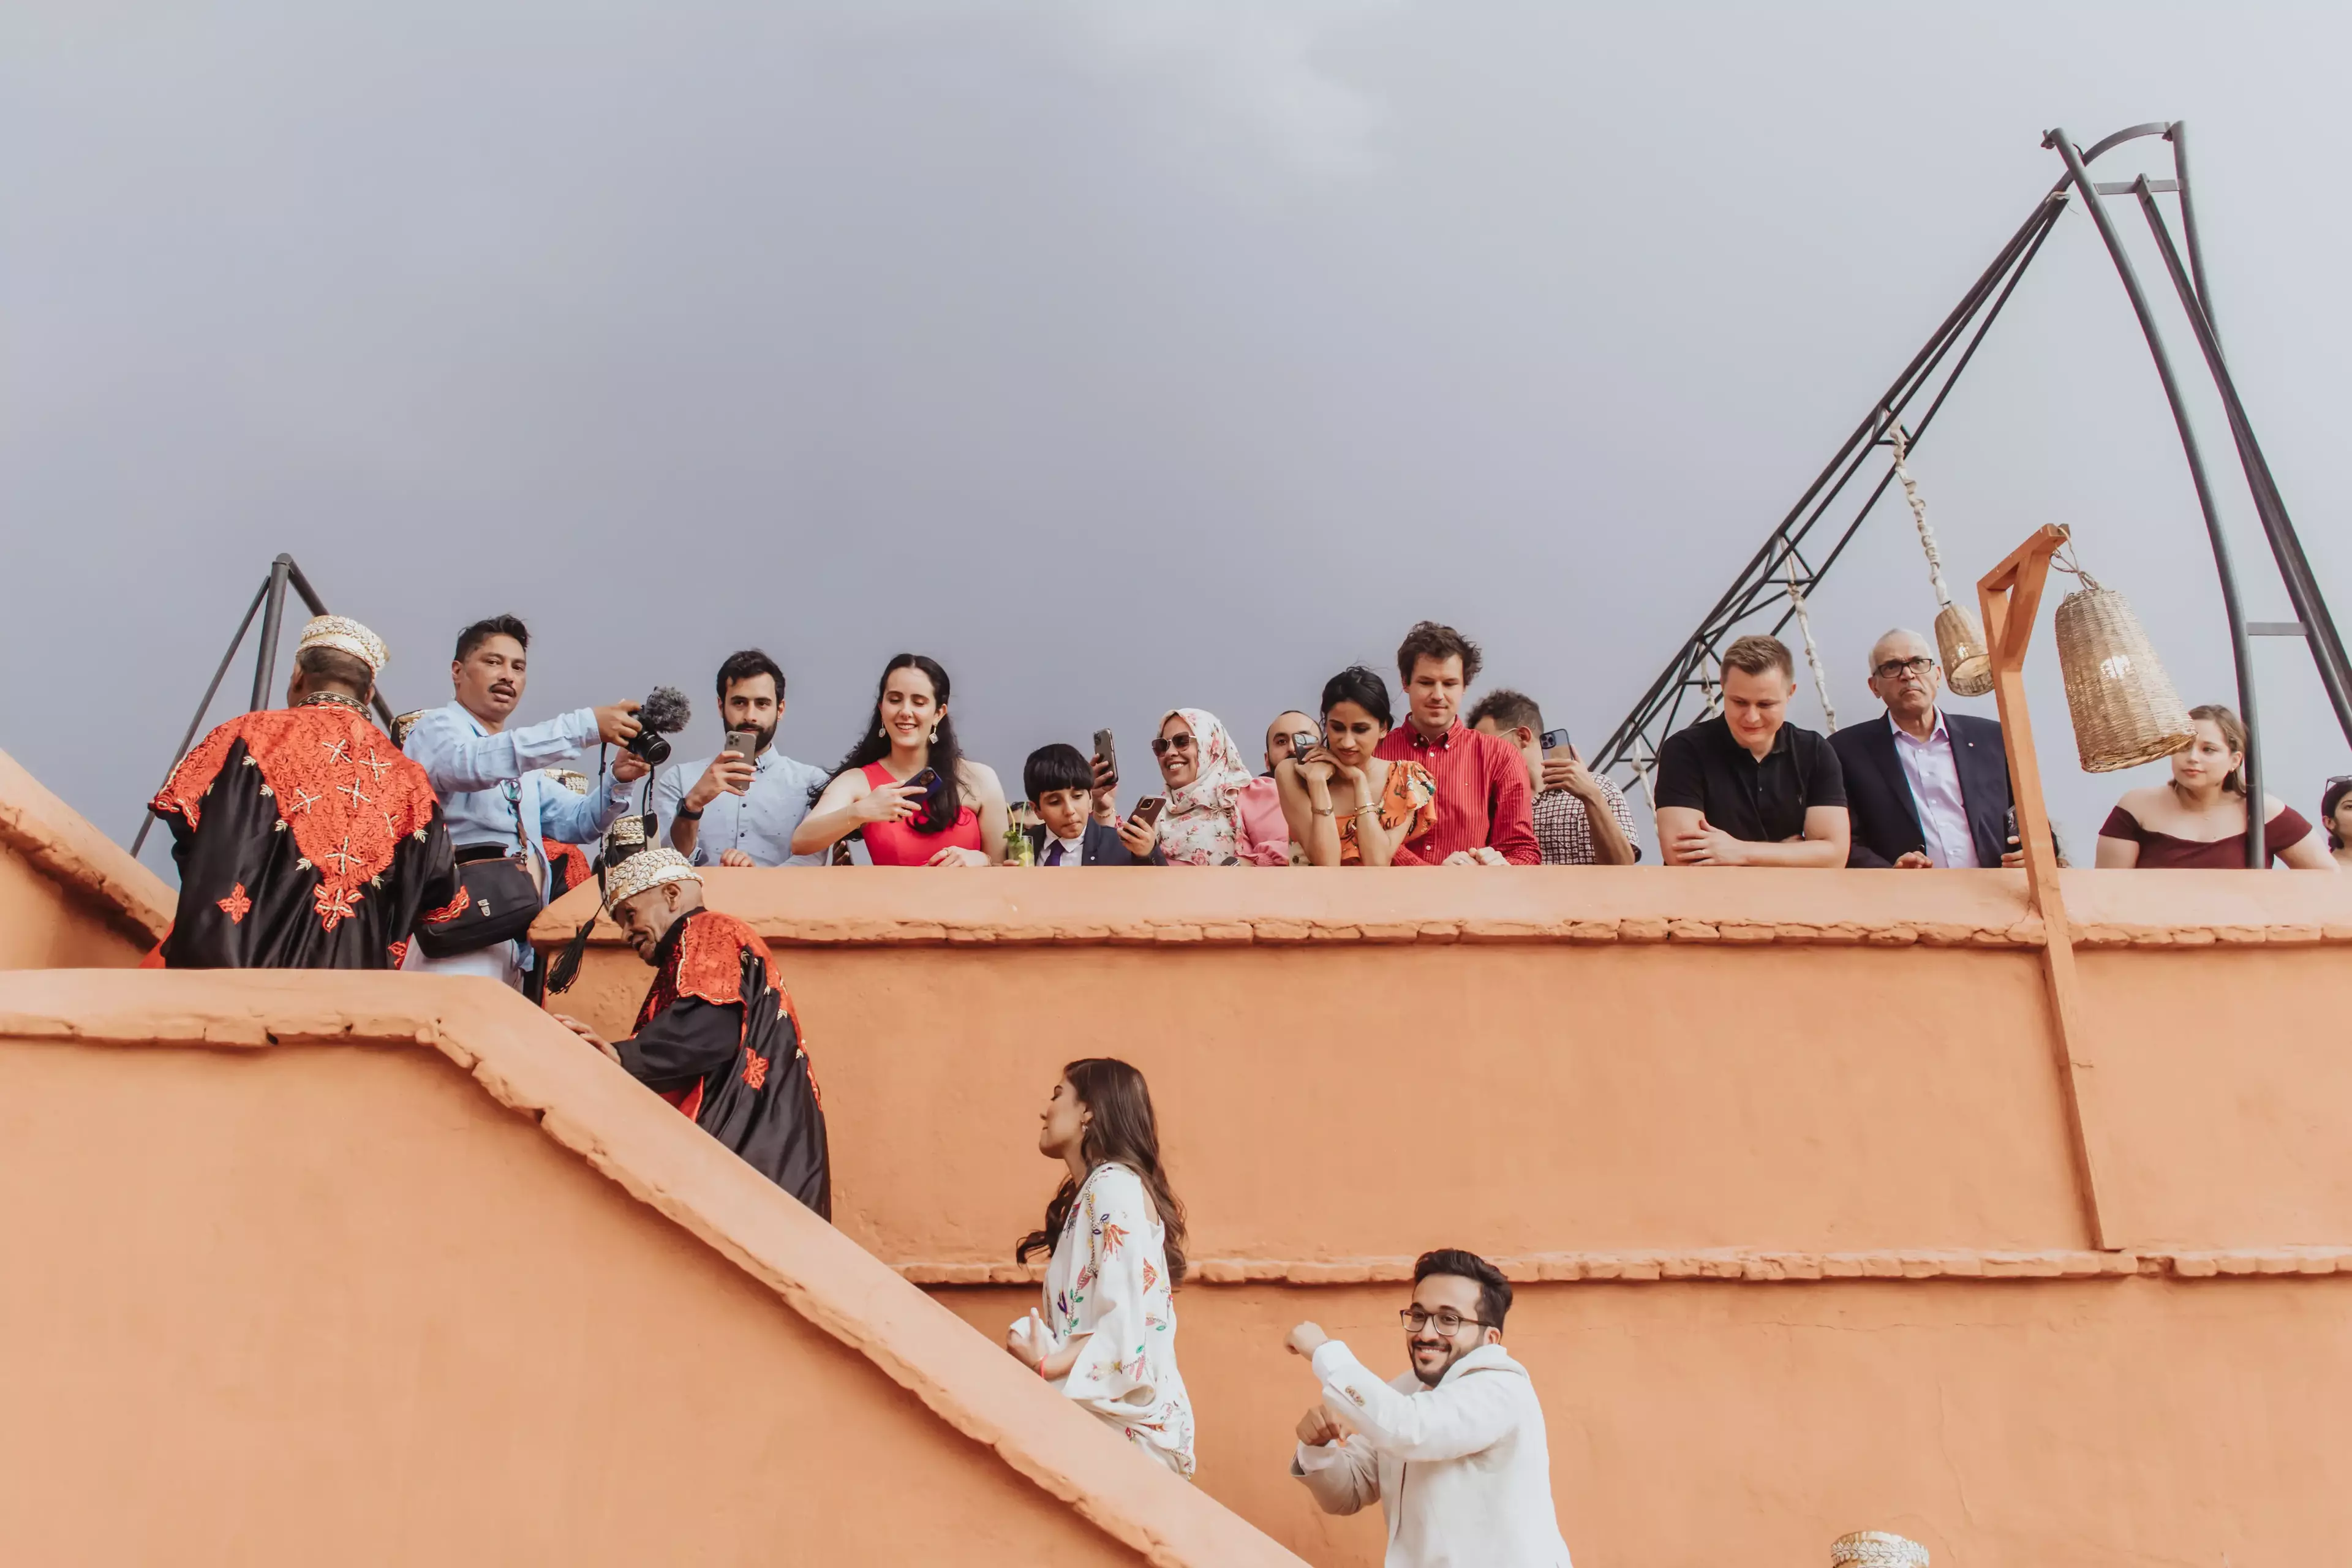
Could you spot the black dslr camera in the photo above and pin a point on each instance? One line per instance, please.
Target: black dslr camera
(664, 712)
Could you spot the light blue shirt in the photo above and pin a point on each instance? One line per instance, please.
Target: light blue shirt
(492, 791)
(1934, 774)
(758, 822)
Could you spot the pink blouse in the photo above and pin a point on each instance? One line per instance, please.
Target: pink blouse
(1261, 835)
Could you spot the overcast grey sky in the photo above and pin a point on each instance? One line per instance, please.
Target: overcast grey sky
(1120, 355)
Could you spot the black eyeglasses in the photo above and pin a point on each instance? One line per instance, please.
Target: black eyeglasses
(1919, 664)
(1447, 1319)
(1167, 743)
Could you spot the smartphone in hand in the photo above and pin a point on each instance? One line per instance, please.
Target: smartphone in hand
(1108, 753)
(1556, 740)
(1146, 810)
(744, 743)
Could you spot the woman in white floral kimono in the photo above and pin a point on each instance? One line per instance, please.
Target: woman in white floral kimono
(1105, 1333)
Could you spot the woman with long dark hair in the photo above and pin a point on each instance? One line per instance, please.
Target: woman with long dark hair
(2197, 819)
(1346, 804)
(917, 799)
(1106, 1334)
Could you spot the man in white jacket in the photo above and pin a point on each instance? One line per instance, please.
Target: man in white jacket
(1453, 1449)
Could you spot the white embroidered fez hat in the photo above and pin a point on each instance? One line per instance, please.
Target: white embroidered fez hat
(1877, 1549)
(645, 870)
(345, 635)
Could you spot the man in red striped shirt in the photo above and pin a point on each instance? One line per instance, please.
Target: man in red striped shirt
(1485, 814)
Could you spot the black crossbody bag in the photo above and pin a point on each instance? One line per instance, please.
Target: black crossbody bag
(501, 897)
(501, 900)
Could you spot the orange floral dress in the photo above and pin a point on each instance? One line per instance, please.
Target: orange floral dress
(1409, 795)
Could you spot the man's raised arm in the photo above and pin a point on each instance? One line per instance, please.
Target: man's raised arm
(1468, 1414)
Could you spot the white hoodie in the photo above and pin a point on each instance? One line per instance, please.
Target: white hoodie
(1462, 1469)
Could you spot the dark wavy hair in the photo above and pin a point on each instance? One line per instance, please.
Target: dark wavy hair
(482, 631)
(1432, 639)
(743, 666)
(945, 803)
(1122, 1131)
(1494, 1291)
(1364, 689)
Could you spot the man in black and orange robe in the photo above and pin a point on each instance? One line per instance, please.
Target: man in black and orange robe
(717, 1036)
(304, 839)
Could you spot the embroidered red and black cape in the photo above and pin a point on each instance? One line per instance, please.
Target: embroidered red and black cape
(717, 1038)
(305, 840)
(567, 868)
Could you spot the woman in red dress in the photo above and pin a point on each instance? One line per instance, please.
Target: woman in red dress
(955, 815)
(2197, 821)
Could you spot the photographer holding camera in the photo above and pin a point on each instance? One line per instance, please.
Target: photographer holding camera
(498, 803)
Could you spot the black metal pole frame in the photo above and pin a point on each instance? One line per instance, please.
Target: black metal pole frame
(269, 600)
(1759, 588)
(2241, 654)
(2313, 621)
(1761, 585)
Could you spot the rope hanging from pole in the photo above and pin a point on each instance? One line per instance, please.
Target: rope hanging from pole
(1968, 666)
(1812, 654)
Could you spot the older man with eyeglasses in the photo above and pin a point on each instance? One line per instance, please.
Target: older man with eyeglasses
(1923, 787)
(1453, 1450)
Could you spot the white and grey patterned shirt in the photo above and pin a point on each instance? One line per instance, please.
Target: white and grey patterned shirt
(1564, 832)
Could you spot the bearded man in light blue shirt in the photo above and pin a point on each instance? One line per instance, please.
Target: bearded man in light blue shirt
(489, 780)
(733, 809)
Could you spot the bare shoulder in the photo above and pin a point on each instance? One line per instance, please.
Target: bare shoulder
(980, 778)
(845, 786)
(2148, 800)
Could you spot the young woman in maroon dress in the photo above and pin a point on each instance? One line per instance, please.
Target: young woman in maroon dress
(958, 819)
(2198, 820)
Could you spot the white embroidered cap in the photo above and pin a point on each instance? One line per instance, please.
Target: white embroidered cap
(345, 635)
(645, 870)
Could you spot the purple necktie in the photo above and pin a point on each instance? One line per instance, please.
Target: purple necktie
(1053, 856)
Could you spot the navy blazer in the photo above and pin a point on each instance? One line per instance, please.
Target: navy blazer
(1099, 846)
(1878, 792)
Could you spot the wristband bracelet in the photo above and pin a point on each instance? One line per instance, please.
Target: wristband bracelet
(682, 815)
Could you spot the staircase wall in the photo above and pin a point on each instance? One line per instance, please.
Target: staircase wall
(69, 897)
(391, 1270)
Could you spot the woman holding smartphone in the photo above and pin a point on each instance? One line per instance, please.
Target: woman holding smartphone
(907, 787)
(1205, 775)
(1105, 1334)
(1347, 804)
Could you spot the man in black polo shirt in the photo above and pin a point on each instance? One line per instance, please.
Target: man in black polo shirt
(1747, 788)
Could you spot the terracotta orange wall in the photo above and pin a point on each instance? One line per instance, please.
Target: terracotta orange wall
(69, 898)
(2139, 1420)
(1593, 1075)
(286, 1302)
(1546, 1062)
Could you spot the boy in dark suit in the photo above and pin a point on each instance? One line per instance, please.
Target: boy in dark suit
(1075, 828)
(1925, 788)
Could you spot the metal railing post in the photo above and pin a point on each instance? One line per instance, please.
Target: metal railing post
(265, 659)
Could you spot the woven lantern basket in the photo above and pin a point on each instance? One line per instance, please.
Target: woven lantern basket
(2125, 709)
(1876, 1548)
(1968, 666)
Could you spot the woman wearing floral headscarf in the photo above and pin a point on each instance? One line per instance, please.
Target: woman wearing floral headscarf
(1204, 776)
